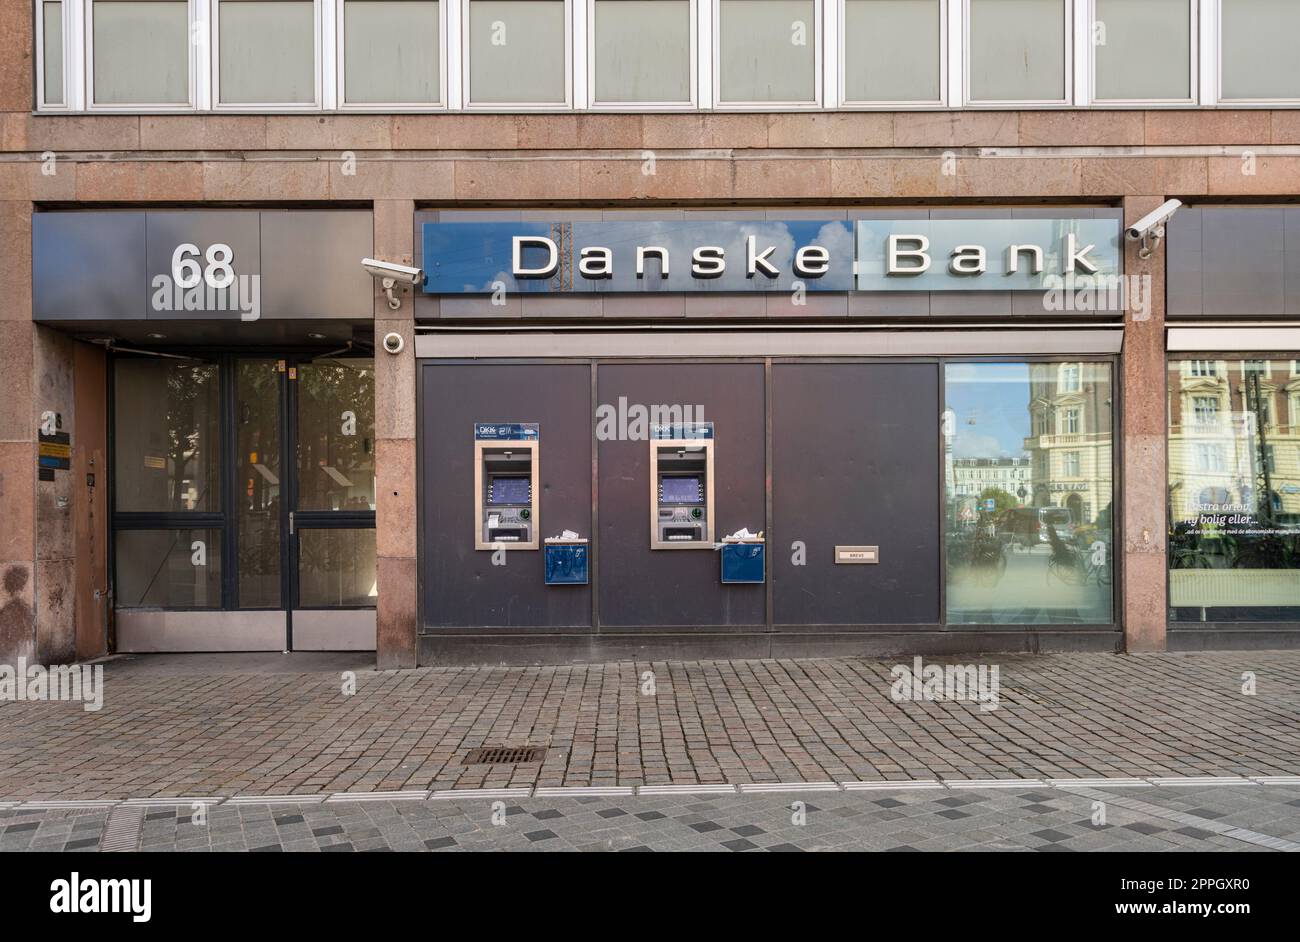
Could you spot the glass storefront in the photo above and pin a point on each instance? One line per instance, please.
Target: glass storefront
(244, 483)
(1029, 492)
(1234, 489)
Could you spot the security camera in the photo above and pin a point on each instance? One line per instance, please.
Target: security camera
(1150, 229)
(393, 342)
(390, 274)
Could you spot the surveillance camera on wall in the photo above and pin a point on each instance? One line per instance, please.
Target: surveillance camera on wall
(393, 342)
(390, 274)
(1150, 229)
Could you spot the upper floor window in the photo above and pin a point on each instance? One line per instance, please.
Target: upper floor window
(1069, 378)
(893, 51)
(1202, 368)
(517, 52)
(643, 52)
(391, 52)
(1019, 50)
(140, 52)
(1142, 50)
(1257, 50)
(266, 52)
(767, 51)
(49, 31)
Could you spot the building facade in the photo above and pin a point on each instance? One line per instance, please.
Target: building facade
(851, 275)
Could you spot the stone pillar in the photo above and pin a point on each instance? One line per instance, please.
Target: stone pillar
(395, 518)
(17, 437)
(1143, 608)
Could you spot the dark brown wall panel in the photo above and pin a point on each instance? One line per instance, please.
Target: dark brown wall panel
(855, 461)
(461, 587)
(640, 586)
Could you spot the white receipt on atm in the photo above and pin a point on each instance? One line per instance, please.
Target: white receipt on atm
(743, 533)
(494, 520)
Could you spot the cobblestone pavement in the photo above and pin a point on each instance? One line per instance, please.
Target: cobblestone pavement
(1217, 818)
(219, 726)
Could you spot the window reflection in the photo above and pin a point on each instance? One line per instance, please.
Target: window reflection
(1029, 492)
(336, 435)
(1234, 490)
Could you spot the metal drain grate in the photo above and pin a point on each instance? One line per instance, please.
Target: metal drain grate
(122, 830)
(504, 755)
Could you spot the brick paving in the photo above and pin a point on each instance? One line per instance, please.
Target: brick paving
(223, 726)
(1006, 819)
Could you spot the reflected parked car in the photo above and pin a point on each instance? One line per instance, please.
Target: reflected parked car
(1028, 526)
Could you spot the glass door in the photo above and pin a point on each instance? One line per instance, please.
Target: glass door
(245, 501)
(332, 520)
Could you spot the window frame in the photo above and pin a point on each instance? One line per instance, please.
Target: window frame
(945, 66)
(1219, 97)
(1069, 84)
(340, 70)
(595, 104)
(319, 21)
(1194, 38)
(715, 67)
(68, 18)
(467, 102)
(195, 17)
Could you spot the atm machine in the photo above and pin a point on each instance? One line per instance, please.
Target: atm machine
(681, 486)
(505, 485)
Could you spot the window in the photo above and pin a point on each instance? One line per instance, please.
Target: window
(1206, 410)
(517, 52)
(1070, 378)
(1157, 34)
(51, 26)
(391, 52)
(1017, 50)
(140, 51)
(266, 52)
(1257, 50)
(643, 51)
(893, 51)
(1210, 457)
(767, 51)
(1201, 368)
(1234, 543)
(1069, 422)
(1037, 551)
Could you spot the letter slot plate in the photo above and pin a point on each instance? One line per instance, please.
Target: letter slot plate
(857, 555)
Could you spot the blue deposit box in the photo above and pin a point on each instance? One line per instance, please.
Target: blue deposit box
(567, 562)
(743, 562)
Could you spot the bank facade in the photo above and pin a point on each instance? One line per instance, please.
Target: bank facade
(737, 329)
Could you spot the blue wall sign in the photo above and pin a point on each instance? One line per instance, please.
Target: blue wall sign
(767, 256)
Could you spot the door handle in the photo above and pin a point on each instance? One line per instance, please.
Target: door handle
(291, 523)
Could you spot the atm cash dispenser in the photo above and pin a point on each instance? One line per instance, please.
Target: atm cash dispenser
(681, 486)
(505, 485)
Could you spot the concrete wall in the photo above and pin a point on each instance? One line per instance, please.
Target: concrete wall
(1132, 159)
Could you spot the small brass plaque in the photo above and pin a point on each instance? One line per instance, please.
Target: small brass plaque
(857, 555)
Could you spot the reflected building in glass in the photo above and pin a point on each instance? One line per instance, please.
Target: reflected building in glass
(1069, 445)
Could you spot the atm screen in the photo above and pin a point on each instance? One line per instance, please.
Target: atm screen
(509, 491)
(673, 490)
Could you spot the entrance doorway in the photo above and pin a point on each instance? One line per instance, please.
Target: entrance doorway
(244, 503)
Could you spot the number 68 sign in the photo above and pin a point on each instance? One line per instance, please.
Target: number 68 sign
(218, 273)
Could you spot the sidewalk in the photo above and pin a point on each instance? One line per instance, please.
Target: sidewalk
(222, 725)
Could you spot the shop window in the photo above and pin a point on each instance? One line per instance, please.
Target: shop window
(266, 52)
(518, 52)
(391, 52)
(140, 51)
(1032, 548)
(336, 435)
(1018, 50)
(767, 51)
(172, 568)
(642, 51)
(1155, 33)
(1234, 508)
(51, 25)
(1257, 50)
(893, 51)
